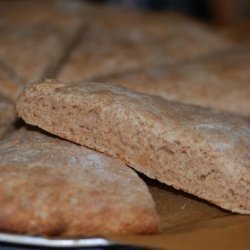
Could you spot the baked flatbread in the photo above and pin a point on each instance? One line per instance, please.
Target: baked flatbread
(221, 81)
(198, 150)
(49, 186)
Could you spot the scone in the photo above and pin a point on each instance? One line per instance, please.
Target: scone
(136, 40)
(49, 186)
(35, 35)
(196, 149)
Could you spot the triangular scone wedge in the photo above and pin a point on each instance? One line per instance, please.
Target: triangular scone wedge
(49, 186)
(192, 148)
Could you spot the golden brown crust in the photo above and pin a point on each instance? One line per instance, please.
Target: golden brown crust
(220, 81)
(199, 150)
(49, 186)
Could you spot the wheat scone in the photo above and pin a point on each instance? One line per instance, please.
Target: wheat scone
(104, 50)
(196, 149)
(35, 48)
(221, 81)
(7, 117)
(49, 186)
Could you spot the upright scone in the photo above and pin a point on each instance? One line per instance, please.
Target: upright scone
(49, 186)
(198, 150)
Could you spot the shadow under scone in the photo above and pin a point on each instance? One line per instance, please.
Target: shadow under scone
(176, 208)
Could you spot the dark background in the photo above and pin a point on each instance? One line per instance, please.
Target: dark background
(218, 11)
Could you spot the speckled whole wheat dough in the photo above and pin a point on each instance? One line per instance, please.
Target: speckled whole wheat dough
(195, 149)
(49, 186)
(220, 81)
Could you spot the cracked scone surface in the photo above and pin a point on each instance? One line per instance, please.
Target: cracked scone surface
(49, 186)
(198, 150)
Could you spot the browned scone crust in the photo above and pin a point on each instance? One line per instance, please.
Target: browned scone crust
(221, 81)
(7, 117)
(192, 148)
(137, 40)
(49, 186)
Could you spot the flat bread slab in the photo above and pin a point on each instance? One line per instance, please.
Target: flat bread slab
(220, 81)
(50, 186)
(198, 150)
